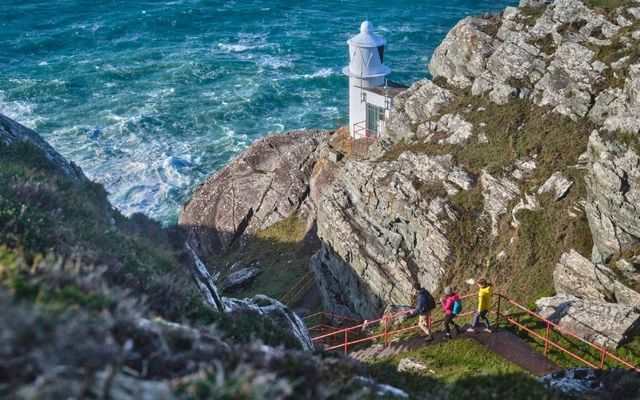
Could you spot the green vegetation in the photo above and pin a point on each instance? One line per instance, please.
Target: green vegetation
(531, 14)
(607, 4)
(284, 253)
(457, 369)
(57, 232)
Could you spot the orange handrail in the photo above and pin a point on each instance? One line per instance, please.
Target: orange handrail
(343, 333)
(300, 286)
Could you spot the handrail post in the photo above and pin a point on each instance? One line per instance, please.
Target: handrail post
(546, 340)
(346, 333)
(386, 329)
(429, 323)
(498, 312)
(604, 354)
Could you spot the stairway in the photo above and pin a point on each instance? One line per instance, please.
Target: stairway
(501, 342)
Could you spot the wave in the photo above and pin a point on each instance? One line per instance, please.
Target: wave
(321, 73)
(234, 48)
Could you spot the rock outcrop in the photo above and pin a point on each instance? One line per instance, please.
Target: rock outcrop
(554, 59)
(613, 196)
(13, 132)
(383, 227)
(264, 185)
(599, 322)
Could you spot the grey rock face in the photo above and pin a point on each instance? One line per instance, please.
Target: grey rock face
(613, 197)
(415, 106)
(380, 233)
(599, 322)
(264, 185)
(575, 380)
(458, 129)
(577, 276)
(275, 311)
(13, 132)
(497, 192)
(567, 84)
(240, 277)
(619, 108)
(410, 365)
(557, 184)
(396, 314)
(462, 55)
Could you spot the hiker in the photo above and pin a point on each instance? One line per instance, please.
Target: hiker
(452, 307)
(485, 297)
(425, 305)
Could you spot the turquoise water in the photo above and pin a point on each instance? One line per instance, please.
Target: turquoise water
(151, 97)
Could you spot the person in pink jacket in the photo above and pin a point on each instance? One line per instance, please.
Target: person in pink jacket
(452, 306)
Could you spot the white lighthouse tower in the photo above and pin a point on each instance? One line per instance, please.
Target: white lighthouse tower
(370, 94)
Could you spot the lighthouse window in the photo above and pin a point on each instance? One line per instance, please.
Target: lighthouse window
(375, 119)
(381, 53)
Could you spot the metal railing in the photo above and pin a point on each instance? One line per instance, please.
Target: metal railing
(361, 138)
(297, 290)
(344, 338)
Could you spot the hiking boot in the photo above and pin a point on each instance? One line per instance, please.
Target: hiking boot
(471, 330)
(447, 336)
(428, 338)
(487, 330)
(458, 331)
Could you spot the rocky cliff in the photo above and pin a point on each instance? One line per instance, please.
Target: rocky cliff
(522, 149)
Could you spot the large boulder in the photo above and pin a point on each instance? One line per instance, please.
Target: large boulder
(599, 322)
(463, 54)
(383, 227)
(264, 185)
(618, 109)
(613, 196)
(576, 275)
(274, 311)
(416, 106)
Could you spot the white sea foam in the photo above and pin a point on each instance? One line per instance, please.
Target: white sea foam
(20, 111)
(321, 73)
(234, 48)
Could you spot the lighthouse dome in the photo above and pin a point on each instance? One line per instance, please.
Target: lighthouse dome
(367, 37)
(366, 26)
(366, 56)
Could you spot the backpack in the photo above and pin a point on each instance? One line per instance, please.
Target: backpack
(457, 307)
(431, 302)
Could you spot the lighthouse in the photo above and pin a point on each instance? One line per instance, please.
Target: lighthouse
(370, 93)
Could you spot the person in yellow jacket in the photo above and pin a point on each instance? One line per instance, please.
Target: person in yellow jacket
(485, 298)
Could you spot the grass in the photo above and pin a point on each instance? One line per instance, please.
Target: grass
(283, 252)
(460, 368)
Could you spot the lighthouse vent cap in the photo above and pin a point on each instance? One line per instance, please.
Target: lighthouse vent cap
(366, 26)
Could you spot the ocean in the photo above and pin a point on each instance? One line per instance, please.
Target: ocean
(152, 97)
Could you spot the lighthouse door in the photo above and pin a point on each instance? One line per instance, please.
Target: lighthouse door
(375, 120)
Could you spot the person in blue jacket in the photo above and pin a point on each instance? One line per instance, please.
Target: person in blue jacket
(426, 304)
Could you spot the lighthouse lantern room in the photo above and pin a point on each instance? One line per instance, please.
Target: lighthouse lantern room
(370, 93)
